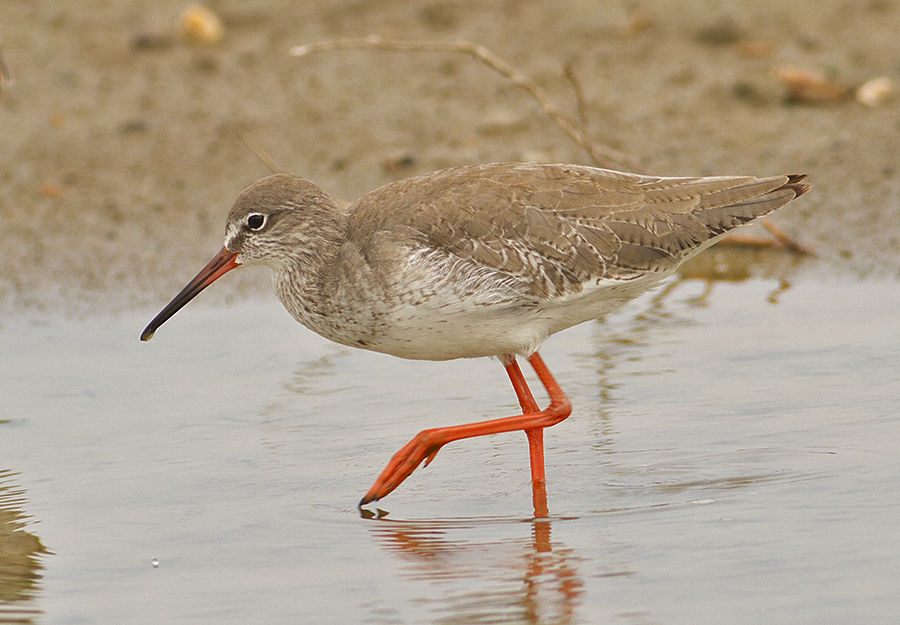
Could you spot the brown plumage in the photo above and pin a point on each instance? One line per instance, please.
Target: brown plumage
(561, 226)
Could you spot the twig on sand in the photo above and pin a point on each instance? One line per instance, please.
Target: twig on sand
(600, 154)
(583, 117)
(259, 151)
(783, 239)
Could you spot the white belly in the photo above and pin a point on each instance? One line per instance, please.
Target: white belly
(446, 328)
(436, 311)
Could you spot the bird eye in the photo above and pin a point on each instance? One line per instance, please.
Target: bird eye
(256, 221)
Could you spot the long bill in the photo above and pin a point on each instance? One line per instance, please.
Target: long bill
(223, 262)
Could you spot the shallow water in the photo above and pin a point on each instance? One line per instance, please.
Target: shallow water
(731, 458)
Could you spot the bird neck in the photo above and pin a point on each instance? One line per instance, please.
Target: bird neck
(301, 276)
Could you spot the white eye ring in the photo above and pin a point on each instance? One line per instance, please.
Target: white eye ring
(256, 221)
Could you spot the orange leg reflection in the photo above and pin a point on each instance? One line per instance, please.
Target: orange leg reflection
(510, 580)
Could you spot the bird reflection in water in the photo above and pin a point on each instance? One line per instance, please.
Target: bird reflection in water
(521, 580)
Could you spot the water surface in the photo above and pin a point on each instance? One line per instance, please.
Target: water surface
(731, 458)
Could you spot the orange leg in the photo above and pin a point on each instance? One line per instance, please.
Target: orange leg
(425, 445)
(535, 441)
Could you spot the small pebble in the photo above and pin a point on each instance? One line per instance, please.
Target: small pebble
(875, 92)
(199, 25)
(803, 85)
(53, 190)
(636, 23)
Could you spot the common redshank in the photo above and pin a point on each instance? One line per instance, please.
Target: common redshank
(486, 260)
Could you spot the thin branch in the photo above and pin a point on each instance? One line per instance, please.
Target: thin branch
(583, 117)
(260, 153)
(784, 239)
(601, 155)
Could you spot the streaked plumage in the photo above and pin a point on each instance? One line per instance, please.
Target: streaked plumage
(487, 260)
